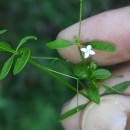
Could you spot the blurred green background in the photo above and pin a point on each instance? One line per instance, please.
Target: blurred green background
(32, 100)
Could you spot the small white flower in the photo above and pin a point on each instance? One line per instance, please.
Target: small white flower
(87, 51)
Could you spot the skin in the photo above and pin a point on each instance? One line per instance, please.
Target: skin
(113, 113)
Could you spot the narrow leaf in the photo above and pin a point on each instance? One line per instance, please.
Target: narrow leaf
(108, 88)
(24, 40)
(93, 94)
(119, 87)
(72, 112)
(6, 68)
(59, 44)
(3, 31)
(101, 74)
(6, 47)
(21, 62)
(99, 45)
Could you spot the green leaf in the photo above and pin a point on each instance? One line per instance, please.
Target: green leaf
(119, 88)
(59, 44)
(108, 88)
(24, 40)
(99, 45)
(80, 71)
(21, 62)
(93, 94)
(72, 112)
(3, 31)
(6, 68)
(6, 47)
(101, 74)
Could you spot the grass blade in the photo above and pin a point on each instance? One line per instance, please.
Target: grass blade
(72, 112)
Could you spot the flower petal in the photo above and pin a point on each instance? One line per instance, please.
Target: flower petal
(83, 49)
(91, 52)
(86, 55)
(89, 47)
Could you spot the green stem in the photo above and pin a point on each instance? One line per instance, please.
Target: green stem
(79, 36)
(69, 76)
(44, 69)
(77, 94)
(79, 33)
(44, 58)
(80, 19)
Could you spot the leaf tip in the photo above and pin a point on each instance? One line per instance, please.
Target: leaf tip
(15, 72)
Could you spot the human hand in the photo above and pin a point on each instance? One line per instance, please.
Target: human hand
(113, 111)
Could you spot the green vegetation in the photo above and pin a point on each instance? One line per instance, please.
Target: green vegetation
(33, 100)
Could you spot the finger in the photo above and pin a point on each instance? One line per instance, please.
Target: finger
(111, 26)
(73, 123)
(112, 114)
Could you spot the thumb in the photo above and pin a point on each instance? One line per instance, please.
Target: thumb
(111, 26)
(111, 114)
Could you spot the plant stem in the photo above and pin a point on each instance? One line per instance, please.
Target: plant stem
(79, 32)
(69, 76)
(80, 19)
(44, 69)
(77, 94)
(79, 35)
(44, 58)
